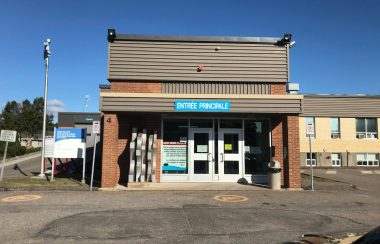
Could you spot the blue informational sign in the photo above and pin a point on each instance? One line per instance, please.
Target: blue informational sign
(69, 133)
(69, 143)
(201, 106)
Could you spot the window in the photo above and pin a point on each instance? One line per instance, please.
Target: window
(313, 159)
(335, 128)
(367, 159)
(335, 159)
(310, 120)
(366, 128)
(174, 146)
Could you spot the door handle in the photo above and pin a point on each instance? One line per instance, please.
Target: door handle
(221, 157)
(208, 157)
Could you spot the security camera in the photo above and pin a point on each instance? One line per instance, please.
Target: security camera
(293, 43)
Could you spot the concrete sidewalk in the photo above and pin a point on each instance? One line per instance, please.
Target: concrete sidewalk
(188, 187)
(19, 159)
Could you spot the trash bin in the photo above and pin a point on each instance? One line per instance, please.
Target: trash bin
(274, 175)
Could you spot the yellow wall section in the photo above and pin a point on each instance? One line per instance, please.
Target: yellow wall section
(348, 142)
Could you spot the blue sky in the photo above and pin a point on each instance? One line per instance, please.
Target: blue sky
(337, 47)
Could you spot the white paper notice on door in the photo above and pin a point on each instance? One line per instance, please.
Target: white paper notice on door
(202, 148)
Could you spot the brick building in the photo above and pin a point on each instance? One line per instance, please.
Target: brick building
(207, 109)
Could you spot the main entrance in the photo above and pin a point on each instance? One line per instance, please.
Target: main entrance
(215, 150)
(215, 158)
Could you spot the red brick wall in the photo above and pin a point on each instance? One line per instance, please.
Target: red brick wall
(116, 139)
(110, 169)
(136, 87)
(292, 168)
(278, 89)
(277, 142)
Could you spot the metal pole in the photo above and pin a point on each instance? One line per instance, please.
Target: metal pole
(93, 163)
(46, 57)
(4, 159)
(311, 165)
(52, 170)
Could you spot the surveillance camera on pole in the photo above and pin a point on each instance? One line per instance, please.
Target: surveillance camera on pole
(47, 54)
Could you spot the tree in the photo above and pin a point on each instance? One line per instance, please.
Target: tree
(26, 117)
(10, 115)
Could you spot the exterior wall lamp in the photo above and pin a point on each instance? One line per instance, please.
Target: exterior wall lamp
(109, 120)
(111, 35)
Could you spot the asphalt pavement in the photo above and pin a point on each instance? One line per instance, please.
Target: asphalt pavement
(179, 216)
(183, 216)
(25, 167)
(365, 179)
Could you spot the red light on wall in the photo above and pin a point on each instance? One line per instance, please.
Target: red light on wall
(200, 68)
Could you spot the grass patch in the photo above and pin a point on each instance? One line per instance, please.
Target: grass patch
(24, 182)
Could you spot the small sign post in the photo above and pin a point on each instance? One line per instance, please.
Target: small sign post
(7, 136)
(310, 133)
(95, 131)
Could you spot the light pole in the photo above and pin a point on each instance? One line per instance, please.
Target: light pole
(47, 54)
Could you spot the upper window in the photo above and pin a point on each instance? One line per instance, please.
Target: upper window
(366, 128)
(310, 120)
(335, 128)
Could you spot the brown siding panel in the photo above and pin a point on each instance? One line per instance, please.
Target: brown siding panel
(150, 60)
(341, 106)
(215, 88)
(151, 104)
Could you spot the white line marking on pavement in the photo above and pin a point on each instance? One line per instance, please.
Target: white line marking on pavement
(366, 172)
(331, 172)
(377, 172)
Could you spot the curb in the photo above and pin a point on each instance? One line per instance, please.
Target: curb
(48, 188)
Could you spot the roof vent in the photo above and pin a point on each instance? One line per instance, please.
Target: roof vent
(292, 88)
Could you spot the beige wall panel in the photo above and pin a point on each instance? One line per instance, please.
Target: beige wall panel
(347, 142)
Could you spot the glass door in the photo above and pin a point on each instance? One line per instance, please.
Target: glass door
(201, 154)
(230, 149)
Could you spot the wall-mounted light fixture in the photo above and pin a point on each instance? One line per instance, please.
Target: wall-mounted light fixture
(287, 37)
(200, 68)
(111, 35)
(109, 120)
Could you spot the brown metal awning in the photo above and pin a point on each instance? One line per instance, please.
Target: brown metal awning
(158, 102)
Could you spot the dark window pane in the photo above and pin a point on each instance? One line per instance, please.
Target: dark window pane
(201, 167)
(256, 146)
(231, 167)
(312, 155)
(371, 125)
(360, 125)
(201, 123)
(201, 142)
(231, 123)
(231, 143)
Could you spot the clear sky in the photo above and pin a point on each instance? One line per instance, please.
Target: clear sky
(337, 47)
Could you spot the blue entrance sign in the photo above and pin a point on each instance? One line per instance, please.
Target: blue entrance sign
(202, 106)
